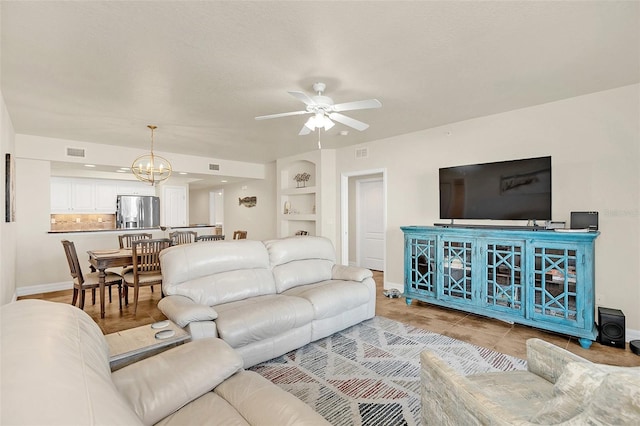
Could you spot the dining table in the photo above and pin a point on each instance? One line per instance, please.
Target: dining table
(110, 258)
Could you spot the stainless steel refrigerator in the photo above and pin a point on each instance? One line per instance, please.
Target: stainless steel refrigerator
(137, 211)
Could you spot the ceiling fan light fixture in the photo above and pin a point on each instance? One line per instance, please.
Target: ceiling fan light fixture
(328, 123)
(311, 123)
(319, 120)
(324, 111)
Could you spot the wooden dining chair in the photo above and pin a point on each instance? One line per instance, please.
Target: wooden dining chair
(209, 237)
(239, 235)
(125, 240)
(183, 237)
(91, 280)
(146, 267)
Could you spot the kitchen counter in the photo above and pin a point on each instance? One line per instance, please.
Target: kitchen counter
(119, 230)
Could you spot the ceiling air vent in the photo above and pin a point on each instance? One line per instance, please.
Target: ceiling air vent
(75, 152)
(214, 166)
(362, 153)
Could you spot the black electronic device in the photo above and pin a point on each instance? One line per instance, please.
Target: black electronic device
(584, 220)
(611, 327)
(505, 190)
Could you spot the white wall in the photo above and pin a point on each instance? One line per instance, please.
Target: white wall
(199, 206)
(258, 221)
(594, 141)
(54, 149)
(7, 230)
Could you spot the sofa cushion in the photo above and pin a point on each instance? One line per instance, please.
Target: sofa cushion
(616, 401)
(162, 384)
(301, 272)
(209, 409)
(330, 298)
(55, 368)
(285, 250)
(575, 389)
(262, 403)
(220, 272)
(300, 260)
(243, 322)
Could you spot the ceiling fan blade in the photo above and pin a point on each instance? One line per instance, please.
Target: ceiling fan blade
(282, 114)
(304, 131)
(349, 106)
(301, 96)
(348, 121)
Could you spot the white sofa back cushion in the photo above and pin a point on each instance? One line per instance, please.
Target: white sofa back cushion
(300, 260)
(215, 272)
(301, 272)
(58, 374)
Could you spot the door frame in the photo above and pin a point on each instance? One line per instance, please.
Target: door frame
(344, 209)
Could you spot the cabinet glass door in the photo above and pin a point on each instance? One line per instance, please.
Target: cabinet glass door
(456, 269)
(504, 286)
(556, 285)
(422, 268)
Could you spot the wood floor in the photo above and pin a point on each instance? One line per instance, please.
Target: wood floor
(493, 334)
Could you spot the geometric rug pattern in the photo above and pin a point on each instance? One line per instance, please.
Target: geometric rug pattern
(369, 374)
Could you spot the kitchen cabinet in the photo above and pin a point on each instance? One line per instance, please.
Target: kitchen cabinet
(86, 196)
(83, 197)
(72, 196)
(106, 194)
(60, 195)
(135, 188)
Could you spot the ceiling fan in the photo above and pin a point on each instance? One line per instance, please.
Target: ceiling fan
(324, 111)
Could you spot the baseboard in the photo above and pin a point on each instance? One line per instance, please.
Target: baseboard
(389, 285)
(631, 334)
(43, 288)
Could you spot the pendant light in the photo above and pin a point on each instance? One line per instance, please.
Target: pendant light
(151, 168)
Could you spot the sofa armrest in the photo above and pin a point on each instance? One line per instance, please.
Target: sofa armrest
(183, 310)
(350, 273)
(158, 386)
(548, 360)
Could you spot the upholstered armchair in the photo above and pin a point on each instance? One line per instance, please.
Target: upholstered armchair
(558, 387)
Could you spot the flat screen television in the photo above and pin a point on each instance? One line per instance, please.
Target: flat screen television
(504, 190)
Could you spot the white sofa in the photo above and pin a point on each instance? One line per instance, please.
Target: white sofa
(55, 371)
(264, 298)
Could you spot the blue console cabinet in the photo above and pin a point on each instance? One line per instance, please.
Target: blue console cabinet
(541, 278)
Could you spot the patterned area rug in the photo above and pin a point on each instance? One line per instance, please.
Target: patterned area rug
(369, 374)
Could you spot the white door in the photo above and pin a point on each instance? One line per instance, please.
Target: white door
(370, 223)
(175, 205)
(216, 207)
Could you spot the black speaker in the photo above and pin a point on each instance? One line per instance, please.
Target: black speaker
(611, 327)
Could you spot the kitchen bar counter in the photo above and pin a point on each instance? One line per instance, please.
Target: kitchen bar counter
(157, 228)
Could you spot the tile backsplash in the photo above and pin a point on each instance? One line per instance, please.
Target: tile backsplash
(82, 222)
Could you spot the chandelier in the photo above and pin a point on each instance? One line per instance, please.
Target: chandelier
(151, 168)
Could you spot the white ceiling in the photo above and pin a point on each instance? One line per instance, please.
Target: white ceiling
(100, 71)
